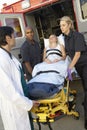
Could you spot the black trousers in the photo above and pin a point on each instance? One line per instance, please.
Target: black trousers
(82, 71)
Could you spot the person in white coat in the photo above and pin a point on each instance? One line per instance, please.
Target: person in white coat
(14, 105)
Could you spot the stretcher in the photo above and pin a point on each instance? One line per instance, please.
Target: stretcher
(56, 106)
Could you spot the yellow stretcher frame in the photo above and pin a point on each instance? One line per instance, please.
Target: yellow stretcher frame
(49, 109)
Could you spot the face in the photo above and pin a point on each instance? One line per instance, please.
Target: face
(29, 34)
(10, 41)
(65, 27)
(53, 39)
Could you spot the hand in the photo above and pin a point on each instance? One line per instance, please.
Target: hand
(56, 60)
(47, 61)
(36, 103)
(69, 74)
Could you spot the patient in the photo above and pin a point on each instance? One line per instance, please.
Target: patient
(55, 51)
(49, 76)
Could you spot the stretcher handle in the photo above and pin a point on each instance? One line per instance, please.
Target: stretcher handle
(67, 92)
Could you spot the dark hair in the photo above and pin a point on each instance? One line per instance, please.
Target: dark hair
(5, 31)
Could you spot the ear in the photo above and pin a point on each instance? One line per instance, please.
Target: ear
(69, 25)
(8, 39)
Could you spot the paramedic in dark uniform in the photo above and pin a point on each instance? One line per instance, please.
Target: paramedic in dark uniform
(30, 52)
(75, 47)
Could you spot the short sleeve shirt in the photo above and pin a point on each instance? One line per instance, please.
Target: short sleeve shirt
(75, 42)
(31, 53)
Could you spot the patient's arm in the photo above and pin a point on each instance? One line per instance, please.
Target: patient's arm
(44, 54)
(63, 52)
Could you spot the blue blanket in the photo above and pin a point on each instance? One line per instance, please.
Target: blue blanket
(42, 90)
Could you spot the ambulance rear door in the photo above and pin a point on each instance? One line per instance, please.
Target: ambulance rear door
(17, 22)
(80, 8)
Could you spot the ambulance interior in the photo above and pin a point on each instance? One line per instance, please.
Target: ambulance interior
(45, 20)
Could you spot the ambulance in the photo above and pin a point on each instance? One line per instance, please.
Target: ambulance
(44, 16)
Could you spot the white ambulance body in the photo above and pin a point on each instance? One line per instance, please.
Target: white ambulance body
(45, 20)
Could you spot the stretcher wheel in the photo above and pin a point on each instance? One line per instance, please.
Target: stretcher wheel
(76, 117)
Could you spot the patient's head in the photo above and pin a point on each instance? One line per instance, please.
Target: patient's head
(53, 39)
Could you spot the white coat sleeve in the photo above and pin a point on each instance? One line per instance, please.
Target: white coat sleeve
(10, 93)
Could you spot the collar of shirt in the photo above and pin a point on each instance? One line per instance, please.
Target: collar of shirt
(31, 41)
(69, 35)
(7, 52)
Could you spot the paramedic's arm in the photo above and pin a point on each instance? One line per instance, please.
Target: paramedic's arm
(28, 66)
(25, 57)
(44, 57)
(75, 59)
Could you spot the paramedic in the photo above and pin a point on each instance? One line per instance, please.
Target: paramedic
(75, 47)
(30, 52)
(14, 106)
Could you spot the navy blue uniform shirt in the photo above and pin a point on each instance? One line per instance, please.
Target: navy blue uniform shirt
(31, 52)
(74, 42)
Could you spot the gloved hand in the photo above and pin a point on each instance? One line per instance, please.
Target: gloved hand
(69, 74)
